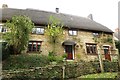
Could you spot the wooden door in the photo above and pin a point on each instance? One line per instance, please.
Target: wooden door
(69, 51)
(107, 53)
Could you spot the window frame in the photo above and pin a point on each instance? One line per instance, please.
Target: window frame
(40, 29)
(96, 34)
(92, 47)
(34, 44)
(3, 29)
(72, 30)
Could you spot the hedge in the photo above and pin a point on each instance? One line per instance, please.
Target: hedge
(56, 71)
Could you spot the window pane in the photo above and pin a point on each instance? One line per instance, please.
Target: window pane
(38, 47)
(42, 30)
(88, 49)
(74, 32)
(34, 46)
(95, 34)
(38, 31)
(30, 47)
(0, 28)
(91, 48)
(70, 32)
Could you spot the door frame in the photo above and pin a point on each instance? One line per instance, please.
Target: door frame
(109, 51)
(73, 51)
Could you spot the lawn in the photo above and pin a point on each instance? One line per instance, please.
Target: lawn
(100, 75)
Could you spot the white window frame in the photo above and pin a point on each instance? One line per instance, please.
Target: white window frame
(72, 32)
(38, 30)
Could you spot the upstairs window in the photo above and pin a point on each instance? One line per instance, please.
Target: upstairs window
(34, 46)
(3, 29)
(37, 30)
(91, 48)
(95, 34)
(72, 32)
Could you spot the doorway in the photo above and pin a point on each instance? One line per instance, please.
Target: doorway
(107, 52)
(69, 50)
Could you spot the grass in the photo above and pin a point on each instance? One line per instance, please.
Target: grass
(100, 75)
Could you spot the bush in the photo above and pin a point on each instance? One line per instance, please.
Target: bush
(54, 58)
(51, 56)
(25, 61)
(72, 70)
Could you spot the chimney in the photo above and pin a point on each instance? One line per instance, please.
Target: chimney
(90, 16)
(57, 10)
(4, 6)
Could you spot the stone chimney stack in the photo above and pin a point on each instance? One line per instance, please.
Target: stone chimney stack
(4, 6)
(57, 10)
(90, 16)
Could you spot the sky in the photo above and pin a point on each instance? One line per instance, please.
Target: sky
(104, 12)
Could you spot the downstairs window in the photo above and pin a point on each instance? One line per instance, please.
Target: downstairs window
(34, 46)
(91, 48)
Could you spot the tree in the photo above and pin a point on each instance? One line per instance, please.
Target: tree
(54, 31)
(18, 35)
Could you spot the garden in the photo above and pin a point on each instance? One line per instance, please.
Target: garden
(37, 66)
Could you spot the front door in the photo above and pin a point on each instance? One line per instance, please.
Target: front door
(69, 49)
(107, 53)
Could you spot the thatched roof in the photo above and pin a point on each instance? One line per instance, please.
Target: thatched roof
(42, 17)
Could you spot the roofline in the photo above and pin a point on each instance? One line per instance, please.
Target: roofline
(108, 31)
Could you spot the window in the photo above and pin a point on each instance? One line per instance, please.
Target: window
(95, 34)
(34, 46)
(91, 48)
(72, 32)
(38, 30)
(3, 29)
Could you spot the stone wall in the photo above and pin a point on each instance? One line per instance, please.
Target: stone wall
(81, 39)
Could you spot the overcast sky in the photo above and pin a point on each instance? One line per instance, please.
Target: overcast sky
(104, 11)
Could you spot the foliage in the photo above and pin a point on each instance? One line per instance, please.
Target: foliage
(53, 58)
(25, 61)
(117, 43)
(64, 55)
(107, 39)
(18, 35)
(72, 70)
(54, 31)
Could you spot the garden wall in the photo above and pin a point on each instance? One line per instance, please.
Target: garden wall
(71, 70)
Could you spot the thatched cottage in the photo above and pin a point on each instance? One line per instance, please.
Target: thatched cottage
(83, 38)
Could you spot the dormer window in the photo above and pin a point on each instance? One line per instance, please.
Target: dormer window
(72, 32)
(38, 30)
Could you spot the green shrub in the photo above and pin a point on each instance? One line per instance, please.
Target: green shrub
(25, 61)
(72, 70)
(64, 55)
(51, 56)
